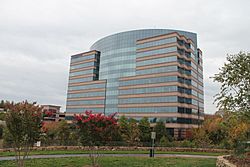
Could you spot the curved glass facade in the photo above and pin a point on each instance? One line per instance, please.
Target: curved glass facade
(118, 57)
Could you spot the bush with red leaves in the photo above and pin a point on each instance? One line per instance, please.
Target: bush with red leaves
(95, 129)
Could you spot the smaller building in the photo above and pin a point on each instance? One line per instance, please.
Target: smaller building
(51, 113)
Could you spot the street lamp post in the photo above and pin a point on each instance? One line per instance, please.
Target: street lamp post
(152, 152)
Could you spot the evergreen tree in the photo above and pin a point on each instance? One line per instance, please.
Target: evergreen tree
(144, 127)
(160, 130)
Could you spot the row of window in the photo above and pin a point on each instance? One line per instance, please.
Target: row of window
(185, 100)
(117, 57)
(157, 61)
(184, 90)
(82, 110)
(155, 90)
(194, 65)
(200, 79)
(112, 101)
(200, 87)
(201, 96)
(117, 75)
(156, 43)
(184, 80)
(183, 43)
(163, 69)
(182, 110)
(136, 110)
(170, 131)
(72, 67)
(91, 71)
(148, 80)
(158, 51)
(185, 62)
(156, 80)
(148, 90)
(157, 70)
(184, 71)
(192, 47)
(81, 58)
(200, 71)
(180, 120)
(112, 88)
(117, 63)
(194, 102)
(117, 71)
(86, 94)
(194, 57)
(194, 83)
(201, 105)
(111, 105)
(118, 67)
(149, 109)
(81, 80)
(112, 82)
(167, 99)
(165, 120)
(83, 87)
(195, 93)
(109, 111)
(183, 52)
(194, 74)
(117, 51)
(112, 92)
(82, 102)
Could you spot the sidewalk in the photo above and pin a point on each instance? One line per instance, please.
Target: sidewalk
(110, 155)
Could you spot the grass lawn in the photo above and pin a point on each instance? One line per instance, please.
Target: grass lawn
(109, 152)
(117, 162)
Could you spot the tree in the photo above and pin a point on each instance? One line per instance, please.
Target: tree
(234, 97)
(56, 132)
(50, 130)
(2, 116)
(95, 129)
(164, 142)
(160, 130)
(227, 130)
(144, 127)
(129, 130)
(201, 139)
(2, 104)
(123, 127)
(235, 84)
(63, 133)
(23, 123)
(133, 132)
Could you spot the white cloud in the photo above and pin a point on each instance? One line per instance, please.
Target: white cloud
(37, 37)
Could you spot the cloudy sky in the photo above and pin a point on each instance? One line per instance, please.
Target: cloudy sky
(37, 37)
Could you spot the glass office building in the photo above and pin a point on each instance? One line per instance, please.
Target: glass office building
(154, 73)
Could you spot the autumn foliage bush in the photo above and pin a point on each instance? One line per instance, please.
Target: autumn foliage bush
(23, 128)
(96, 129)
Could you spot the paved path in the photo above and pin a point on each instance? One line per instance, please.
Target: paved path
(111, 155)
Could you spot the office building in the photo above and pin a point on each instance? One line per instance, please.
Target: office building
(154, 73)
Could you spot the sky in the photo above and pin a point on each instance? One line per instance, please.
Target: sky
(37, 38)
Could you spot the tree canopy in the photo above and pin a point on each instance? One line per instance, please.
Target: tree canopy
(234, 77)
(23, 123)
(95, 129)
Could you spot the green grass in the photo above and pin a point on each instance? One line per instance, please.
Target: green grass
(109, 152)
(117, 161)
